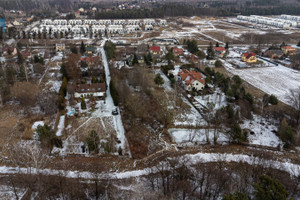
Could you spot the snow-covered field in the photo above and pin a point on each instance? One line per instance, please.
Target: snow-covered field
(271, 80)
(263, 132)
(190, 136)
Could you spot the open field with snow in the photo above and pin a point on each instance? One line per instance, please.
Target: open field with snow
(271, 80)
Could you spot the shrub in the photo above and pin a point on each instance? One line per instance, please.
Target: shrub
(249, 98)
(236, 134)
(47, 137)
(273, 100)
(93, 141)
(158, 79)
(286, 134)
(218, 63)
(268, 188)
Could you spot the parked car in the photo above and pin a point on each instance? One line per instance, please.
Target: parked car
(115, 111)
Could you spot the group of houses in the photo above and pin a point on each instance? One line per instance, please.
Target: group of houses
(281, 22)
(78, 26)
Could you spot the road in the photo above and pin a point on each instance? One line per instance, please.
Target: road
(117, 120)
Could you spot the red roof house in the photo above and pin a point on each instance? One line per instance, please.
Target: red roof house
(288, 50)
(155, 50)
(220, 51)
(192, 79)
(178, 51)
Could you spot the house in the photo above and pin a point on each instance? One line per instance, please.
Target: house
(142, 49)
(249, 57)
(60, 47)
(10, 51)
(91, 61)
(97, 90)
(130, 60)
(288, 50)
(26, 54)
(178, 51)
(274, 53)
(140, 59)
(220, 51)
(211, 62)
(90, 50)
(155, 50)
(191, 80)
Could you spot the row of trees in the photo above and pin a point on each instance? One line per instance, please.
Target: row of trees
(177, 179)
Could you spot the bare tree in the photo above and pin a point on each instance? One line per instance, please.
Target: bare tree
(294, 100)
(25, 92)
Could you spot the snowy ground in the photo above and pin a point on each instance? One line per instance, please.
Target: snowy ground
(195, 136)
(292, 169)
(7, 192)
(263, 132)
(217, 99)
(36, 124)
(61, 125)
(272, 80)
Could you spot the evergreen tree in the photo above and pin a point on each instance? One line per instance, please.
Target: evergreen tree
(249, 98)
(158, 79)
(114, 93)
(286, 134)
(110, 49)
(236, 196)
(63, 70)
(82, 48)
(170, 56)
(20, 58)
(135, 60)
(83, 104)
(210, 52)
(192, 46)
(273, 100)
(236, 134)
(201, 54)
(47, 137)
(268, 188)
(22, 73)
(218, 63)
(227, 46)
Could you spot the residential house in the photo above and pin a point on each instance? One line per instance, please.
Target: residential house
(140, 59)
(220, 51)
(10, 50)
(274, 53)
(191, 80)
(178, 51)
(60, 47)
(249, 57)
(91, 61)
(97, 90)
(90, 50)
(26, 54)
(155, 50)
(288, 50)
(130, 60)
(142, 49)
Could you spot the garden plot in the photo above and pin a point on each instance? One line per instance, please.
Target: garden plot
(271, 80)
